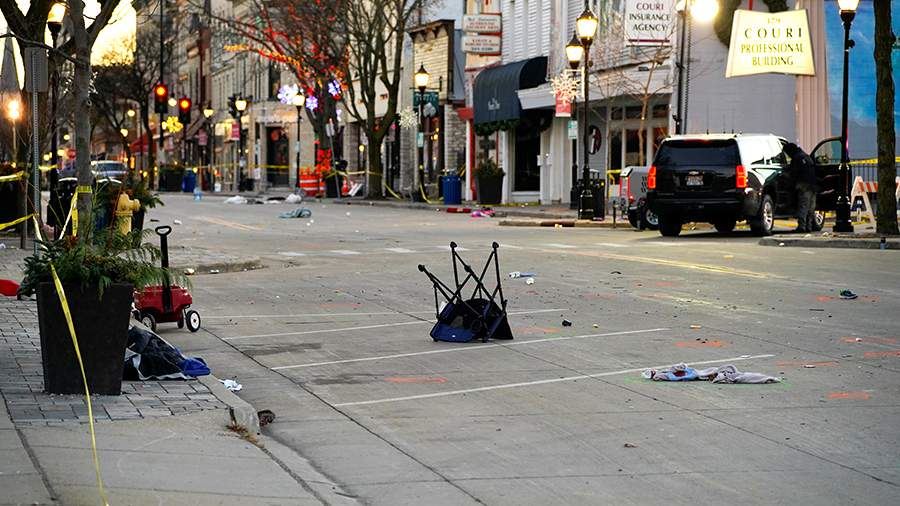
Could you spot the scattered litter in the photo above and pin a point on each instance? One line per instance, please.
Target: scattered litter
(308, 223)
(150, 357)
(816, 309)
(2, 245)
(596, 326)
(566, 323)
(728, 257)
(214, 271)
(858, 340)
(695, 327)
(177, 222)
(274, 200)
(232, 385)
(293, 198)
(154, 220)
(809, 366)
(721, 374)
(237, 199)
(482, 213)
(848, 295)
(300, 212)
(517, 274)
(557, 225)
(529, 281)
(781, 244)
(616, 272)
(189, 271)
(630, 445)
(266, 416)
(348, 213)
(312, 221)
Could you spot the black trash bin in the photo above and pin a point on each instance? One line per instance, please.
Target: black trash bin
(598, 191)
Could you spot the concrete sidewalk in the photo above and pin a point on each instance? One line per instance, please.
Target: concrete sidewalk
(862, 240)
(161, 442)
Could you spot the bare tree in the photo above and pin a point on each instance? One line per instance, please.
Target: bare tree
(886, 221)
(376, 30)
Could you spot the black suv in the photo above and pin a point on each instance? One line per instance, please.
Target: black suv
(725, 178)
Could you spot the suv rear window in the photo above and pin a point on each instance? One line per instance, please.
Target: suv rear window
(712, 152)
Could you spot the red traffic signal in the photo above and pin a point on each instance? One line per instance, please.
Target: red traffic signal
(184, 111)
(161, 98)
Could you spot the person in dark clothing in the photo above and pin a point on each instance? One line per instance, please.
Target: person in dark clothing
(803, 170)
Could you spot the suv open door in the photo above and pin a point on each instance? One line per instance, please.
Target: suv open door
(827, 155)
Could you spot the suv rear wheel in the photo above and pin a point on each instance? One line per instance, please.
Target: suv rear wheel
(669, 226)
(725, 225)
(764, 221)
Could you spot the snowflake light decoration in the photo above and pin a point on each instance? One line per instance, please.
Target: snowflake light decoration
(407, 118)
(287, 93)
(566, 86)
(312, 103)
(334, 88)
(173, 125)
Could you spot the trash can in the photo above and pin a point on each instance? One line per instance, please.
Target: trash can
(598, 191)
(452, 190)
(189, 181)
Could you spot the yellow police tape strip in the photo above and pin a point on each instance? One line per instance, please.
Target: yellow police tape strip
(4, 226)
(73, 215)
(12, 177)
(388, 188)
(61, 293)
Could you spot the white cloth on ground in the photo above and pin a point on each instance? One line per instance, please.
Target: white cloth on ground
(730, 374)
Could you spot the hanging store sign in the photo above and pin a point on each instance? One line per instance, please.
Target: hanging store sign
(563, 106)
(482, 23)
(572, 129)
(235, 131)
(481, 44)
(770, 43)
(649, 22)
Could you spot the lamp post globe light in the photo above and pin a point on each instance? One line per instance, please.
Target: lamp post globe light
(208, 113)
(842, 210)
(240, 104)
(298, 101)
(420, 79)
(585, 30)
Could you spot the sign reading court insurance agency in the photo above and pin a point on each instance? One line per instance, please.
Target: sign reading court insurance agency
(770, 43)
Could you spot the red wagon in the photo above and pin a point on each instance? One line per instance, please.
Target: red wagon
(166, 303)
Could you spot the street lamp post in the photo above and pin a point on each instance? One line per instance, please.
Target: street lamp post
(586, 29)
(842, 210)
(54, 25)
(703, 11)
(421, 79)
(210, 143)
(241, 105)
(13, 113)
(298, 101)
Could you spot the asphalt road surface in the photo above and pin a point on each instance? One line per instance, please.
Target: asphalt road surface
(332, 335)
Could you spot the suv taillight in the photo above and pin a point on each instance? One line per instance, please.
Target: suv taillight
(740, 177)
(651, 178)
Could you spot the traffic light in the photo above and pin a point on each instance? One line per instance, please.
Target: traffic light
(184, 111)
(232, 108)
(161, 98)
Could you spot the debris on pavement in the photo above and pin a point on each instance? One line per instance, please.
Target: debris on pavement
(232, 385)
(529, 281)
(630, 445)
(237, 199)
(566, 323)
(720, 374)
(616, 272)
(266, 416)
(517, 274)
(189, 271)
(695, 327)
(300, 212)
(214, 271)
(150, 357)
(293, 198)
(596, 326)
(177, 222)
(848, 295)
(809, 366)
(485, 212)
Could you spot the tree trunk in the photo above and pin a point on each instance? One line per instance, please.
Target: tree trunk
(373, 180)
(886, 221)
(145, 119)
(81, 84)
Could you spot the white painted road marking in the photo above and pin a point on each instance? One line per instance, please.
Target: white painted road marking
(538, 382)
(400, 250)
(561, 246)
(468, 348)
(611, 244)
(291, 254)
(327, 331)
(447, 248)
(344, 252)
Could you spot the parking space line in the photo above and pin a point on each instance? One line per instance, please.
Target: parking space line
(560, 246)
(399, 250)
(537, 382)
(468, 348)
(291, 254)
(364, 327)
(344, 252)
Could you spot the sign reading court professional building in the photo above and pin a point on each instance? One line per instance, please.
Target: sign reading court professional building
(648, 22)
(763, 43)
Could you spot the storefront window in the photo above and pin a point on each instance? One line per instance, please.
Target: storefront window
(632, 148)
(633, 112)
(527, 175)
(615, 150)
(661, 110)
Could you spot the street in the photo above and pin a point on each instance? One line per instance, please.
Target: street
(332, 335)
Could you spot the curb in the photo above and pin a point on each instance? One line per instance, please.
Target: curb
(566, 224)
(240, 412)
(222, 267)
(846, 243)
(499, 212)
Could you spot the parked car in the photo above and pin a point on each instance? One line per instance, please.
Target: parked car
(110, 169)
(726, 178)
(633, 193)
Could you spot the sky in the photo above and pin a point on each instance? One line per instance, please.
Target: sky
(120, 28)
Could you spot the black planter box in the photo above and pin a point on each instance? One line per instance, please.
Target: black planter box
(101, 325)
(489, 190)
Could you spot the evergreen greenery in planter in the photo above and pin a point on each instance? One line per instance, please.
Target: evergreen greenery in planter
(489, 180)
(99, 275)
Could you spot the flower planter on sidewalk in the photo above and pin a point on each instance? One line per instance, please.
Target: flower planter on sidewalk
(101, 325)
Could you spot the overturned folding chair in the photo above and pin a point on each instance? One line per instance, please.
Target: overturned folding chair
(480, 316)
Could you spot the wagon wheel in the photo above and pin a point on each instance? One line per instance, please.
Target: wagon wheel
(192, 318)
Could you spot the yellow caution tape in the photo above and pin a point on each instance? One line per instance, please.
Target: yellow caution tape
(73, 215)
(422, 191)
(61, 293)
(12, 177)
(388, 188)
(84, 189)
(4, 226)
